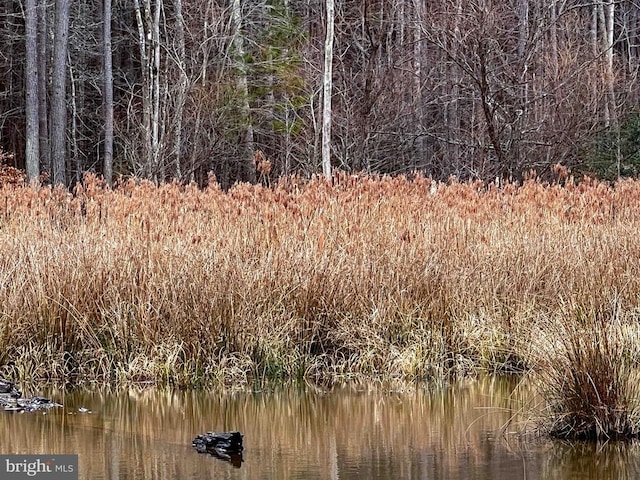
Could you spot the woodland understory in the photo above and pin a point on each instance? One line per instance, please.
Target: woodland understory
(166, 89)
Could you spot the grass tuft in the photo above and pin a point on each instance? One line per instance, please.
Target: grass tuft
(590, 379)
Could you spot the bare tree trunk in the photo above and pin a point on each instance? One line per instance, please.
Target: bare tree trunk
(523, 100)
(487, 108)
(146, 92)
(76, 175)
(238, 41)
(553, 31)
(604, 45)
(609, 13)
(593, 31)
(593, 37)
(454, 105)
(148, 22)
(45, 152)
(523, 27)
(32, 153)
(182, 87)
(158, 170)
(417, 99)
(107, 166)
(59, 94)
(327, 84)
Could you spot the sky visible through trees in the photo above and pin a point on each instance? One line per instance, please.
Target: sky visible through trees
(175, 89)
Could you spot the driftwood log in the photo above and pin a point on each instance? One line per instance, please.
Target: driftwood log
(225, 446)
(9, 388)
(11, 399)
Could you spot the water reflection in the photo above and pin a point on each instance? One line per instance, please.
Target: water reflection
(351, 433)
(593, 462)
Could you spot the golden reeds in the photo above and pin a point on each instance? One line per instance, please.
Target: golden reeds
(365, 277)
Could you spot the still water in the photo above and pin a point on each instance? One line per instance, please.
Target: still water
(345, 433)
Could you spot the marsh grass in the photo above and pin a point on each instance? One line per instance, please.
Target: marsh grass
(589, 377)
(366, 278)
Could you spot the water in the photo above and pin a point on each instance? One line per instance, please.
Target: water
(353, 433)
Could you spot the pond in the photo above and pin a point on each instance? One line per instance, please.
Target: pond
(460, 432)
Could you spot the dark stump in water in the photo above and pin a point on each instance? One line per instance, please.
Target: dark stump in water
(225, 446)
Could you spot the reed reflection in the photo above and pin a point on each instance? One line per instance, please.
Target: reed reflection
(347, 433)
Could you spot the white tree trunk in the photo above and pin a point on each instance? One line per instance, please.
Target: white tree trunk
(327, 91)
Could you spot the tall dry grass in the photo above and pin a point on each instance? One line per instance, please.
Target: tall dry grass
(367, 277)
(588, 373)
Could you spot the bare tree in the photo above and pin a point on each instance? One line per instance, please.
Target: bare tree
(608, 46)
(157, 163)
(148, 28)
(327, 87)
(43, 130)
(58, 97)
(471, 88)
(32, 155)
(243, 92)
(107, 169)
(183, 81)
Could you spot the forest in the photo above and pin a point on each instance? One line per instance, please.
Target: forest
(234, 89)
